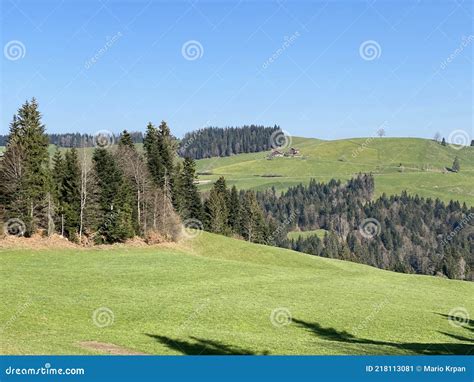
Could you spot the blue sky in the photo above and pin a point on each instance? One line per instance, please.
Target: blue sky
(116, 65)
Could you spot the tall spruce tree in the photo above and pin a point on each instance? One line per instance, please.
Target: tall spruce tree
(190, 205)
(26, 164)
(115, 201)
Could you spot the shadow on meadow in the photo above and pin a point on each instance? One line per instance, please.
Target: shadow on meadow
(201, 346)
(332, 334)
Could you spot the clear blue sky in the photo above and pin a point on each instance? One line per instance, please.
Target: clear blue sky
(320, 83)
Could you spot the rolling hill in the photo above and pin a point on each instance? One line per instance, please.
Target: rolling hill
(217, 295)
(422, 171)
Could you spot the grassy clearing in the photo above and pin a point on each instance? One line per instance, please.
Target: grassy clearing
(422, 171)
(216, 295)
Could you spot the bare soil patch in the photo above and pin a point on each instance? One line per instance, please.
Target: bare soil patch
(108, 348)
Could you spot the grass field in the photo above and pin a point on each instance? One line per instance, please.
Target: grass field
(199, 297)
(422, 172)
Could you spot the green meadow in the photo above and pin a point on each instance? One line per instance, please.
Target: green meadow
(412, 164)
(199, 297)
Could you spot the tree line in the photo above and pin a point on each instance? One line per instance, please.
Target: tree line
(220, 142)
(109, 196)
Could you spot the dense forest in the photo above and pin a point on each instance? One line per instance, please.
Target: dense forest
(119, 192)
(222, 142)
(401, 233)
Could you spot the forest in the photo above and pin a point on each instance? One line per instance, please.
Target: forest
(119, 192)
(221, 142)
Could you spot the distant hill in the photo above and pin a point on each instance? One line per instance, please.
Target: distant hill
(412, 164)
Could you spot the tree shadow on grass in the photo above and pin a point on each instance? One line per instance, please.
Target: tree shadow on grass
(464, 322)
(201, 346)
(331, 334)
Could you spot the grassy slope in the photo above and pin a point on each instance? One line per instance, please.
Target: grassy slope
(199, 297)
(324, 160)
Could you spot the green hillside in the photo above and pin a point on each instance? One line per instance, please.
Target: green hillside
(423, 166)
(216, 295)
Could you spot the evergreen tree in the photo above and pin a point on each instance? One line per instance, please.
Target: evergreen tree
(234, 211)
(189, 199)
(126, 139)
(216, 208)
(114, 199)
(70, 194)
(26, 166)
(152, 144)
(252, 222)
(456, 165)
(443, 142)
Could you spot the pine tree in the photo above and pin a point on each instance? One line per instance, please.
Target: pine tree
(252, 222)
(152, 144)
(126, 139)
(443, 142)
(234, 211)
(190, 205)
(115, 200)
(70, 194)
(26, 166)
(456, 165)
(216, 208)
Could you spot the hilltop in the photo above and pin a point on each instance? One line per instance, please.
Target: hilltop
(413, 164)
